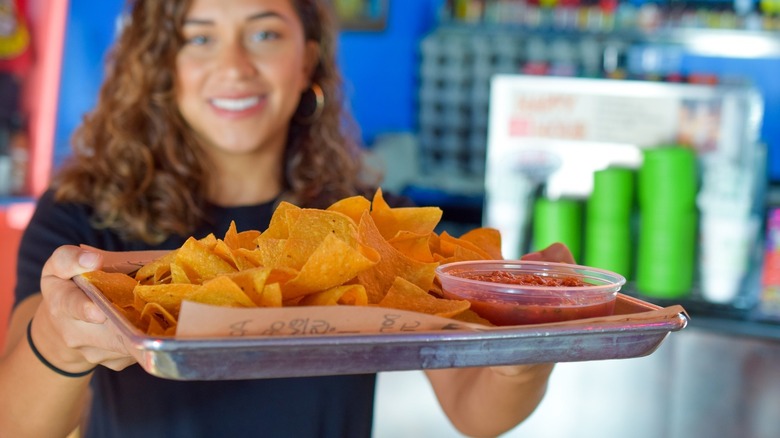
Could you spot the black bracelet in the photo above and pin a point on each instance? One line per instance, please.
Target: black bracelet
(48, 364)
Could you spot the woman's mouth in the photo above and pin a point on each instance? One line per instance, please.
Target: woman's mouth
(242, 104)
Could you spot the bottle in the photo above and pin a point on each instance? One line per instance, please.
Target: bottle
(614, 59)
(563, 58)
(18, 149)
(5, 162)
(537, 57)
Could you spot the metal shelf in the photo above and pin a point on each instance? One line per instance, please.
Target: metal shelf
(731, 43)
(739, 43)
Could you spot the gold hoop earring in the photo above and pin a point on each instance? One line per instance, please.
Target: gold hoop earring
(319, 105)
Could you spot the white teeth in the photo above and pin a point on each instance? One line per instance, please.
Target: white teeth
(235, 104)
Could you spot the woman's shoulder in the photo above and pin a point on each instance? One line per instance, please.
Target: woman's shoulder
(58, 222)
(47, 205)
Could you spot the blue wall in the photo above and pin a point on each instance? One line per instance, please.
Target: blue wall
(89, 32)
(382, 67)
(764, 74)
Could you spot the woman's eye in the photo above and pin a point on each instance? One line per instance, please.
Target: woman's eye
(264, 36)
(197, 40)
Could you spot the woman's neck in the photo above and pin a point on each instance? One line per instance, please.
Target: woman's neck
(242, 180)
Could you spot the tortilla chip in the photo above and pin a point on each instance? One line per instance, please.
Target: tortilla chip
(200, 262)
(280, 221)
(487, 239)
(353, 207)
(331, 264)
(157, 320)
(221, 291)
(404, 295)
(392, 263)
(151, 273)
(117, 287)
(169, 296)
(389, 221)
(348, 295)
(415, 246)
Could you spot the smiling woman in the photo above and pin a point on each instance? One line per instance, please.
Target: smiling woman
(212, 112)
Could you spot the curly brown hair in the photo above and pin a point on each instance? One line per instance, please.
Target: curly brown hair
(135, 161)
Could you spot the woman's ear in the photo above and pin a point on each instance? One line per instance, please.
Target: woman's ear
(311, 61)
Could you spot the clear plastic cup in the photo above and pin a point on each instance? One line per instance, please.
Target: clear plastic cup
(503, 303)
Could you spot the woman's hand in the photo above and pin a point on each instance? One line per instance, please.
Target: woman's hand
(68, 329)
(557, 252)
(489, 401)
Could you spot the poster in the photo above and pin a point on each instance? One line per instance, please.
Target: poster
(547, 135)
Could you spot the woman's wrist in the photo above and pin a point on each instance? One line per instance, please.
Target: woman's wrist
(51, 366)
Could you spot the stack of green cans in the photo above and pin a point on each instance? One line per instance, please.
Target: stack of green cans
(558, 220)
(609, 212)
(667, 188)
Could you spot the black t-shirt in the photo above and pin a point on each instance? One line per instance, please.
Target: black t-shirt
(133, 403)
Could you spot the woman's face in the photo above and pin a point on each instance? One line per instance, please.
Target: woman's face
(241, 72)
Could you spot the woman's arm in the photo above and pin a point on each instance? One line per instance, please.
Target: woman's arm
(71, 333)
(489, 401)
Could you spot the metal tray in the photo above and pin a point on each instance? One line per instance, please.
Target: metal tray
(637, 329)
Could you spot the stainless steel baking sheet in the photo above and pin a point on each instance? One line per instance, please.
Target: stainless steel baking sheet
(636, 329)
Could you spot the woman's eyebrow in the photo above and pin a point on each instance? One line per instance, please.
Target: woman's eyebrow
(258, 16)
(197, 21)
(261, 15)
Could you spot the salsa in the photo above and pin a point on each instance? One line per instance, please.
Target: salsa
(506, 313)
(525, 279)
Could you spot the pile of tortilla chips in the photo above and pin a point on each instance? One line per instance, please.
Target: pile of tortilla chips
(355, 252)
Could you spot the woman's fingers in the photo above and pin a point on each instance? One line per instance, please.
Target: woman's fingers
(556, 252)
(60, 293)
(68, 261)
(112, 353)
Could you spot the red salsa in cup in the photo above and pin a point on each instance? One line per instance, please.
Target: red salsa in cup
(507, 313)
(525, 279)
(544, 309)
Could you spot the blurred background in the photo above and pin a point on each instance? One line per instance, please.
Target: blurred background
(644, 134)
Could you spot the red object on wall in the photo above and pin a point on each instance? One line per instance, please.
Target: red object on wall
(15, 38)
(47, 20)
(13, 219)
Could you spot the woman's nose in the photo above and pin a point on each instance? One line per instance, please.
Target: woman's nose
(236, 62)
